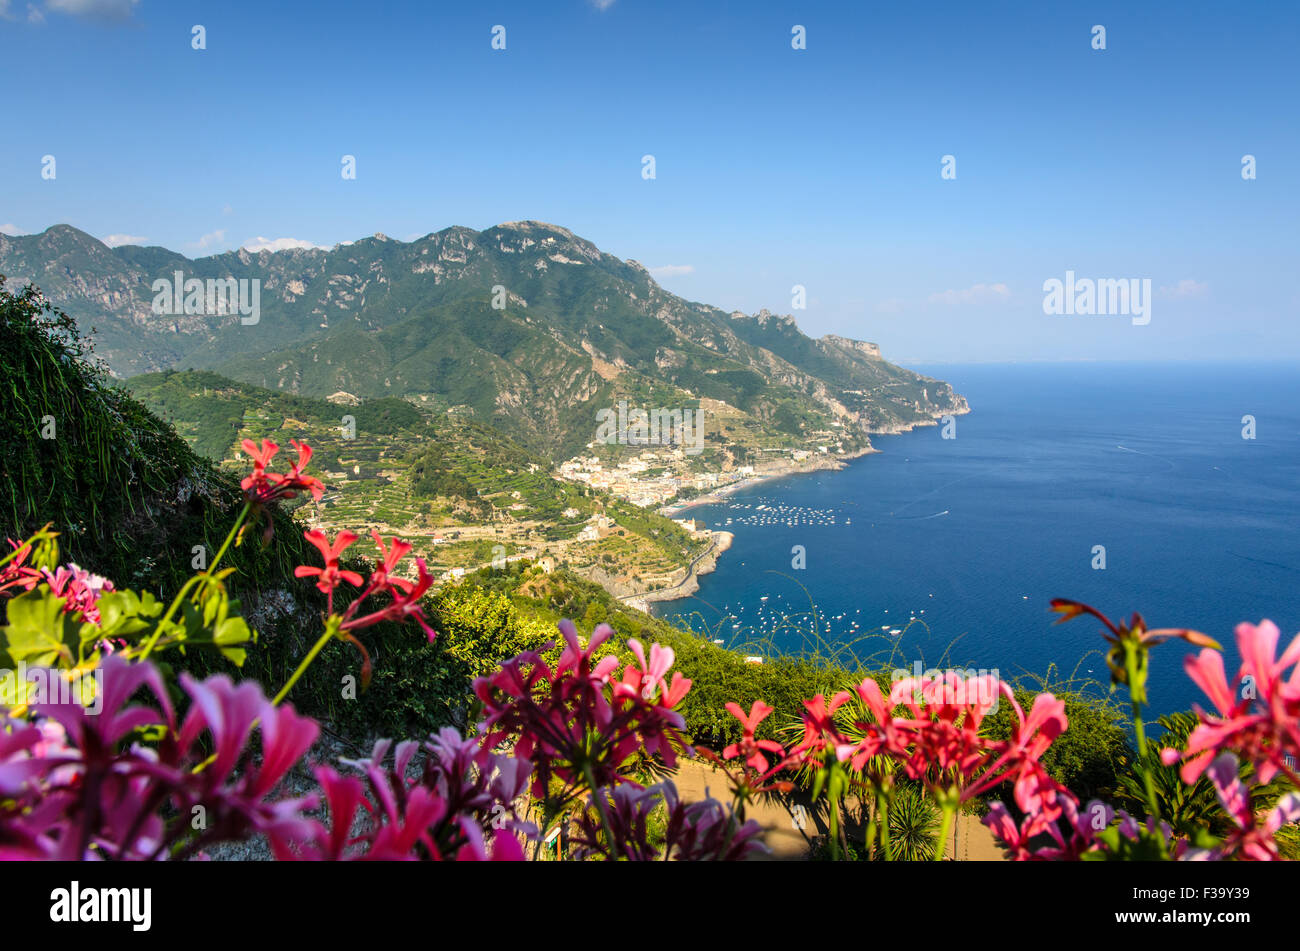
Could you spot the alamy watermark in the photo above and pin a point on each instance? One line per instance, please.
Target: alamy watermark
(1104, 297)
(215, 297)
(32, 685)
(654, 427)
(954, 685)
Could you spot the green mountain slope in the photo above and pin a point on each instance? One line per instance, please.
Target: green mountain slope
(574, 329)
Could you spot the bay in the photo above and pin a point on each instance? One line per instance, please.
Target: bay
(961, 543)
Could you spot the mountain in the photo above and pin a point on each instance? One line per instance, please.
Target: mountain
(525, 325)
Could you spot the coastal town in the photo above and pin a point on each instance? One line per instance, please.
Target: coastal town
(659, 476)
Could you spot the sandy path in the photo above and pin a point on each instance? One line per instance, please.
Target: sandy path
(789, 842)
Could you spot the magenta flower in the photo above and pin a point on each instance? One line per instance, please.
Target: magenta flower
(82, 785)
(572, 721)
(1250, 840)
(461, 805)
(704, 831)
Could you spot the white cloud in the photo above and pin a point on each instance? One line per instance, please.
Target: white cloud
(602, 5)
(277, 244)
(95, 9)
(971, 295)
(117, 240)
(34, 14)
(672, 270)
(1185, 288)
(11, 229)
(210, 239)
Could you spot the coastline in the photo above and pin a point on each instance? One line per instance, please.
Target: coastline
(690, 584)
(702, 565)
(833, 464)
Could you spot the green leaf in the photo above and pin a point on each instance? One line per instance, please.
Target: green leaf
(39, 632)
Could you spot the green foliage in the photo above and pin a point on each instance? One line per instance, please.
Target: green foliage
(1189, 809)
(481, 628)
(129, 499)
(434, 473)
(913, 825)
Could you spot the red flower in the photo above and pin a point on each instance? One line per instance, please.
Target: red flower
(749, 748)
(329, 576)
(821, 734)
(15, 574)
(264, 487)
(389, 559)
(406, 598)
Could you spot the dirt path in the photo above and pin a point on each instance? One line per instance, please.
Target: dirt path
(782, 818)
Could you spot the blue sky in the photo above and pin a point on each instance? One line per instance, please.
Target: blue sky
(774, 167)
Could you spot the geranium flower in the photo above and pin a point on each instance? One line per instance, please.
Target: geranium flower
(576, 725)
(264, 487)
(15, 573)
(1250, 841)
(78, 794)
(405, 604)
(460, 806)
(749, 748)
(704, 831)
(1263, 723)
(328, 578)
(80, 589)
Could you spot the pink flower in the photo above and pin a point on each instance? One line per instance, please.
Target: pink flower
(821, 734)
(1250, 841)
(650, 676)
(578, 726)
(1036, 793)
(1263, 723)
(943, 735)
(749, 748)
(80, 590)
(462, 805)
(78, 791)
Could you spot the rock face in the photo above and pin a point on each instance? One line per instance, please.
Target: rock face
(869, 350)
(526, 324)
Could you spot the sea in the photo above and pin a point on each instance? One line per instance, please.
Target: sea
(1172, 490)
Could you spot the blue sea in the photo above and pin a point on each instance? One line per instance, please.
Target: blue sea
(960, 543)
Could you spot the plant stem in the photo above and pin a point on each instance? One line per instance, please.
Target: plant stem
(599, 800)
(944, 826)
(243, 514)
(202, 576)
(302, 667)
(1148, 785)
(882, 815)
